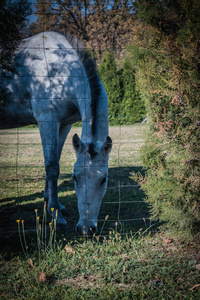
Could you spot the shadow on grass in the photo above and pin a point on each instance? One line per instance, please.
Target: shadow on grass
(123, 204)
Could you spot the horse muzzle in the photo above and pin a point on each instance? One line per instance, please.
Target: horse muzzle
(85, 227)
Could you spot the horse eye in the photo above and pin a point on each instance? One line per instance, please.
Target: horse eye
(74, 177)
(103, 181)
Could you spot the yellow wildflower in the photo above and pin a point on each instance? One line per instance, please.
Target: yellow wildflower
(52, 209)
(17, 221)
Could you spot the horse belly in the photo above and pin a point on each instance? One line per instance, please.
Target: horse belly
(16, 114)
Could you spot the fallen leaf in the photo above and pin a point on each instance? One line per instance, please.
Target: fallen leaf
(30, 263)
(168, 241)
(181, 287)
(42, 277)
(69, 249)
(197, 267)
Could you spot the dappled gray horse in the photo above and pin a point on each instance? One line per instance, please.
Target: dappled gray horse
(55, 86)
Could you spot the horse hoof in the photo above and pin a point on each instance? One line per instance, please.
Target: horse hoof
(65, 212)
(61, 228)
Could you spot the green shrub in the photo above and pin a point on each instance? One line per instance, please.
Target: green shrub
(132, 106)
(124, 102)
(111, 81)
(168, 78)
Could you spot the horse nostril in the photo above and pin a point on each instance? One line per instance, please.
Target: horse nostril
(86, 230)
(78, 229)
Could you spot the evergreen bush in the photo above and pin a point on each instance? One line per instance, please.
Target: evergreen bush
(132, 107)
(167, 60)
(111, 80)
(124, 102)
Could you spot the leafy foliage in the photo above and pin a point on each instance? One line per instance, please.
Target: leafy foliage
(13, 18)
(102, 25)
(168, 74)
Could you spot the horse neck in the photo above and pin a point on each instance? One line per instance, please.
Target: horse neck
(100, 132)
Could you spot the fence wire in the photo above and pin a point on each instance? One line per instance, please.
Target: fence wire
(117, 161)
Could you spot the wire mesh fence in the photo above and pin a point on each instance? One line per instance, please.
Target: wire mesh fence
(23, 174)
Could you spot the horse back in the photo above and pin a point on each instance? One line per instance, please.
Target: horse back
(49, 77)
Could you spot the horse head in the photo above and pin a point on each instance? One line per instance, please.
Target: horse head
(90, 178)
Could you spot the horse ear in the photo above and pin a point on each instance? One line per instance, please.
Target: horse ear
(77, 144)
(107, 146)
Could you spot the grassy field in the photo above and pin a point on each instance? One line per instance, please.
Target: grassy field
(22, 180)
(121, 263)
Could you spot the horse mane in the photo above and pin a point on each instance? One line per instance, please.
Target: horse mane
(90, 67)
(91, 150)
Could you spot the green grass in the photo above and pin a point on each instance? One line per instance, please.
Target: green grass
(22, 180)
(116, 268)
(122, 263)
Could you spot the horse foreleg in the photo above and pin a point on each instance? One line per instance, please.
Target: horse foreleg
(46, 196)
(63, 133)
(49, 132)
